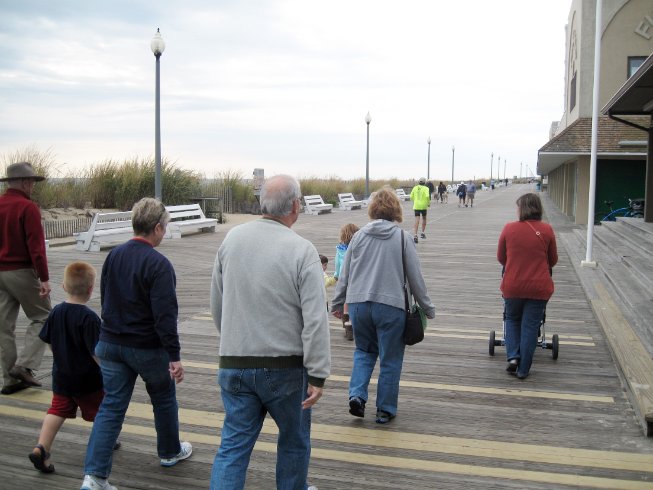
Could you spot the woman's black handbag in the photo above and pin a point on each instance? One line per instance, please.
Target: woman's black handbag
(415, 324)
(415, 317)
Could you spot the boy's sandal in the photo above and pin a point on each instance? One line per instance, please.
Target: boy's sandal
(38, 460)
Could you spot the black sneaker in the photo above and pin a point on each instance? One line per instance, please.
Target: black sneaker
(383, 417)
(512, 366)
(423, 236)
(16, 387)
(415, 239)
(357, 406)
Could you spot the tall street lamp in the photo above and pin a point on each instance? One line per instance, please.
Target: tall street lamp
(491, 161)
(505, 162)
(498, 168)
(368, 120)
(157, 46)
(428, 160)
(453, 154)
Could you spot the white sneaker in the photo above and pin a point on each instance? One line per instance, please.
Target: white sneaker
(186, 451)
(312, 487)
(94, 483)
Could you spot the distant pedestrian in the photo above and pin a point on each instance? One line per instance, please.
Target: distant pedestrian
(471, 192)
(527, 251)
(346, 234)
(431, 187)
(267, 303)
(24, 278)
(421, 201)
(442, 191)
(461, 192)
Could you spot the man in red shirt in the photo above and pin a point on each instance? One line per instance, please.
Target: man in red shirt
(23, 278)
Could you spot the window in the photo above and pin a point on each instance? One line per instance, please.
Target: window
(634, 62)
(573, 57)
(572, 93)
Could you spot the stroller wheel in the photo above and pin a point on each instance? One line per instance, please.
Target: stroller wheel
(491, 346)
(554, 346)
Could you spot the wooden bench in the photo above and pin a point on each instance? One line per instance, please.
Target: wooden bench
(315, 205)
(348, 202)
(189, 217)
(115, 228)
(105, 229)
(401, 194)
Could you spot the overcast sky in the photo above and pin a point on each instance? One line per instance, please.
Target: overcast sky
(285, 84)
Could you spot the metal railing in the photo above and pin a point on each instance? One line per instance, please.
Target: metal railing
(62, 228)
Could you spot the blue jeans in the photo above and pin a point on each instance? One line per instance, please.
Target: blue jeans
(248, 395)
(120, 366)
(378, 333)
(523, 318)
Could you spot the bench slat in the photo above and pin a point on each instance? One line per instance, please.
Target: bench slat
(186, 214)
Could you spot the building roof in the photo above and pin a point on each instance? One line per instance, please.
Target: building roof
(615, 140)
(636, 95)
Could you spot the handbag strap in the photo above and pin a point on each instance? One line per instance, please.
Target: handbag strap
(546, 248)
(539, 235)
(403, 264)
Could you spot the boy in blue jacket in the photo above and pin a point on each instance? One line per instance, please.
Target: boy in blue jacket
(72, 330)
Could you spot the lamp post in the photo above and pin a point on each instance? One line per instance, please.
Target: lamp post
(491, 161)
(453, 154)
(505, 162)
(498, 168)
(157, 46)
(368, 120)
(428, 160)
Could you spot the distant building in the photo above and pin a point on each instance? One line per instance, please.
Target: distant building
(626, 42)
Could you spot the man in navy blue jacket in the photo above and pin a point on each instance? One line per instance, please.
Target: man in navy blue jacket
(138, 337)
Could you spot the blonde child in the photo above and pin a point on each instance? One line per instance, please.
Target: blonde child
(346, 234)
(72, 330)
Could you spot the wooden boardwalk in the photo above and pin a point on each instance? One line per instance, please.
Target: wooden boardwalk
(463, 422)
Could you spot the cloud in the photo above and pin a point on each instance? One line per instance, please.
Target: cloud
(286, 84)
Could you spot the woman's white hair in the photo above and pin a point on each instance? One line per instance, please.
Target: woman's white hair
(278, 194)
(146, 214)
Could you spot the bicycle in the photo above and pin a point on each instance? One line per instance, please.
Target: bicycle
(635, 209)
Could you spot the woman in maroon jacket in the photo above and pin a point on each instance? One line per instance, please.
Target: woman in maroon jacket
(527, 250)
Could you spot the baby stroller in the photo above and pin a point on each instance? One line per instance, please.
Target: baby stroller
(553, 344)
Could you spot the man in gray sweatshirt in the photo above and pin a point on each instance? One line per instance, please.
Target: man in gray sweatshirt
(267, 302)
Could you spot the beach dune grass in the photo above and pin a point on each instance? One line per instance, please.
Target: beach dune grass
(114, 184)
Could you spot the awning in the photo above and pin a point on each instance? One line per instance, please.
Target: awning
(616, 142)
(635, 97)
